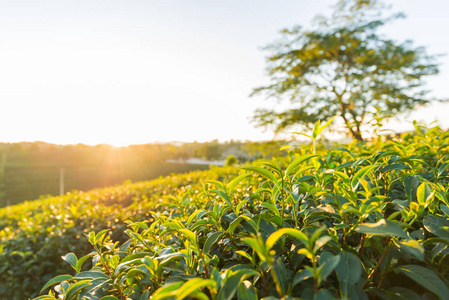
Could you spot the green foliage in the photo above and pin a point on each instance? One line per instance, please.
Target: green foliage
(343, 66)
(348, 223)
(316, 131)
(231, 160)
(35, 235)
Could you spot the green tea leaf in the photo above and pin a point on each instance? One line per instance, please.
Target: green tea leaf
(190, 235)
(318, 131)
(360, 174)
(81, 261)
(254, 243)
(263, 172)
(281, 275)
(413, 247)
(324, 294)
(271, 207)
(192, 217)
(315, 129)
(244, 254)
(304, 274)
(436, 225)
(240, 205)
(246, 291)
(76, 288)
(382, 228)
(426, 278)
(56, 280)
(410, 184)
(423, 193)
(211, 240)
(445, 209)
(291, 167)
(234, 225)
(236, 181)
(274, 237)
(302, 133)
(328, 263)
(232, 283)
(401, 293)
(193, 285)
(349, 271)
(132, 274)
(91, 275)
(109, 298)
(71, 259)
(167, 291)
(99, 238)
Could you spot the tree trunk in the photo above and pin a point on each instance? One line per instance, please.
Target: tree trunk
(357, 135)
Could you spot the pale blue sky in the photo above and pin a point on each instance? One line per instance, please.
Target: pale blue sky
(122, 72)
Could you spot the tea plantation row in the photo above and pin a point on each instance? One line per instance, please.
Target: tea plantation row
(360, 221)
(34, 235)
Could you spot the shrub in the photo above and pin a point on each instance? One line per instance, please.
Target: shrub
(356, 222)
(231, 160)
(35, 235)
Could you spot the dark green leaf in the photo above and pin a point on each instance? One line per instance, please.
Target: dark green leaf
(349, 271)
(324, 294)
(413, 247)
(304, 274)
(71, 259)
(426, 278)
(211, 240)
(281, 275)
(436, 225)
(328, 263)
(401, 293)
(246, 291)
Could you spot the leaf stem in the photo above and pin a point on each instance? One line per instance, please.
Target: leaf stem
(380, 261)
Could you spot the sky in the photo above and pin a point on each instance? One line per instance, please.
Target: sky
(133, 72)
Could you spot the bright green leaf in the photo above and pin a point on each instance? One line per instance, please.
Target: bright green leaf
(382, 228)
(56, 280)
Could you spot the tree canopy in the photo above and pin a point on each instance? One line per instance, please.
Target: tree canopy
(344, 67)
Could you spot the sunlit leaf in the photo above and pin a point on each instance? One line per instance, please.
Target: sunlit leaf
(274, 237)
(246, 291)
(192, 286)
(56, 280)
(383, 228)
(263, 172)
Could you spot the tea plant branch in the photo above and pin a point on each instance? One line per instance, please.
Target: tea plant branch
(380, 260)
(111, 274)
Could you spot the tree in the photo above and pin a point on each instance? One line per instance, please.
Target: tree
(231, 160)
(344, 67)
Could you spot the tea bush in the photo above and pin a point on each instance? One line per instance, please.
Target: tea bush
(364, 221)
(35, 235)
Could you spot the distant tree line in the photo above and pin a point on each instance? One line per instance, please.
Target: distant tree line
(31, 169)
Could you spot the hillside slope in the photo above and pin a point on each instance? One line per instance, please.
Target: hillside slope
(35, 235)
